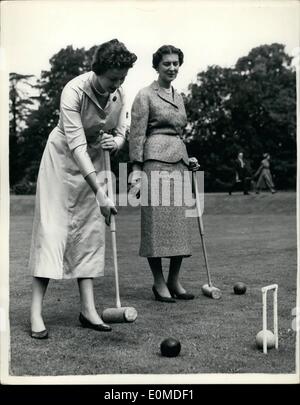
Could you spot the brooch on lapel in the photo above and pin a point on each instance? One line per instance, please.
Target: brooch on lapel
(114, 98)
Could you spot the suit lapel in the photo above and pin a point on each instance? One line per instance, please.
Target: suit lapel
(164, 96)
(177, 98)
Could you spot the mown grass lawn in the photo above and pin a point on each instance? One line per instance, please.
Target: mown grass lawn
(249, 238)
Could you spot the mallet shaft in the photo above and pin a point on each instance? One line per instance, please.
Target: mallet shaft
(112, 226)
(264, 299)
(201, 227)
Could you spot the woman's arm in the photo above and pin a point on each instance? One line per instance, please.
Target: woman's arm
(82, 159)
(121, 127)
(138, 127)
(114, 139)
(258, 171)
(137, 137)
(73, 128)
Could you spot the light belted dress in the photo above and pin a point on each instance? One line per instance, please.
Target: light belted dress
(155, 142)
(68, 239)
(265, 177)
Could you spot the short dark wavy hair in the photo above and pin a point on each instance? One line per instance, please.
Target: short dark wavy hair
(166, 50)
(112, 55)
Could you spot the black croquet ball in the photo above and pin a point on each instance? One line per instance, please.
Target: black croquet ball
(170, 347)
(239, 288)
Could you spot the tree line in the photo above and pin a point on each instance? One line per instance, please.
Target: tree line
(250, 107)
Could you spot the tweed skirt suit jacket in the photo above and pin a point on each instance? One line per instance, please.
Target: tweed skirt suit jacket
(155, 141)
(68, 239)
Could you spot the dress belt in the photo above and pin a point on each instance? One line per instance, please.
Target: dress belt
(170, 134)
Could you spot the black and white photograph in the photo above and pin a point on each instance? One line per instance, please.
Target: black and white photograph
(149, 193)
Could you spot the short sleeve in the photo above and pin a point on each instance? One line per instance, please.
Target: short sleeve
(83, 160)
(70, 105)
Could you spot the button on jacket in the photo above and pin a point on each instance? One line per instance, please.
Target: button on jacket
(157, 123)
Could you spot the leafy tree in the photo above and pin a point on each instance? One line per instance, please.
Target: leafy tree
(208, 113)
(250, 107)
(65, 65)
(269, 83)
(21, 105)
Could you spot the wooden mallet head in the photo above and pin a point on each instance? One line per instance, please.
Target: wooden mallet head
(119, 315)
(211, 291)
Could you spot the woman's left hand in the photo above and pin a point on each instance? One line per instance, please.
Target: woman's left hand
(193, 164)
(107, 142)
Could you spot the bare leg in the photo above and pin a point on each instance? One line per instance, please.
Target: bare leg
(159, 281)
(39, 287)
(173, 279)
(88, 309)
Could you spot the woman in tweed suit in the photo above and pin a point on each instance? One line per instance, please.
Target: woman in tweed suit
(158, 118)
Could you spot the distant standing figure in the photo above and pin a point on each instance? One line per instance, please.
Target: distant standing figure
(264, 175)
(242, 174)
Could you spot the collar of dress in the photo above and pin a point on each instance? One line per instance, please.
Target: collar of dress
(86, 87)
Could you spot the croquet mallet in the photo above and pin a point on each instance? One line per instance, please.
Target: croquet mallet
(119, 314)
(207, 289)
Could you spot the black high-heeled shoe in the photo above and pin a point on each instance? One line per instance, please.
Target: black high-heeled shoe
(101, 327)
(182, 296)
(43, 334)
(160, 298)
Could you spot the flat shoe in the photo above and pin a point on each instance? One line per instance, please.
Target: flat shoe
(160, 298)
(40, 335)
(101, 327)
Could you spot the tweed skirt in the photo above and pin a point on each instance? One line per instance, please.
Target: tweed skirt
(164, 224)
